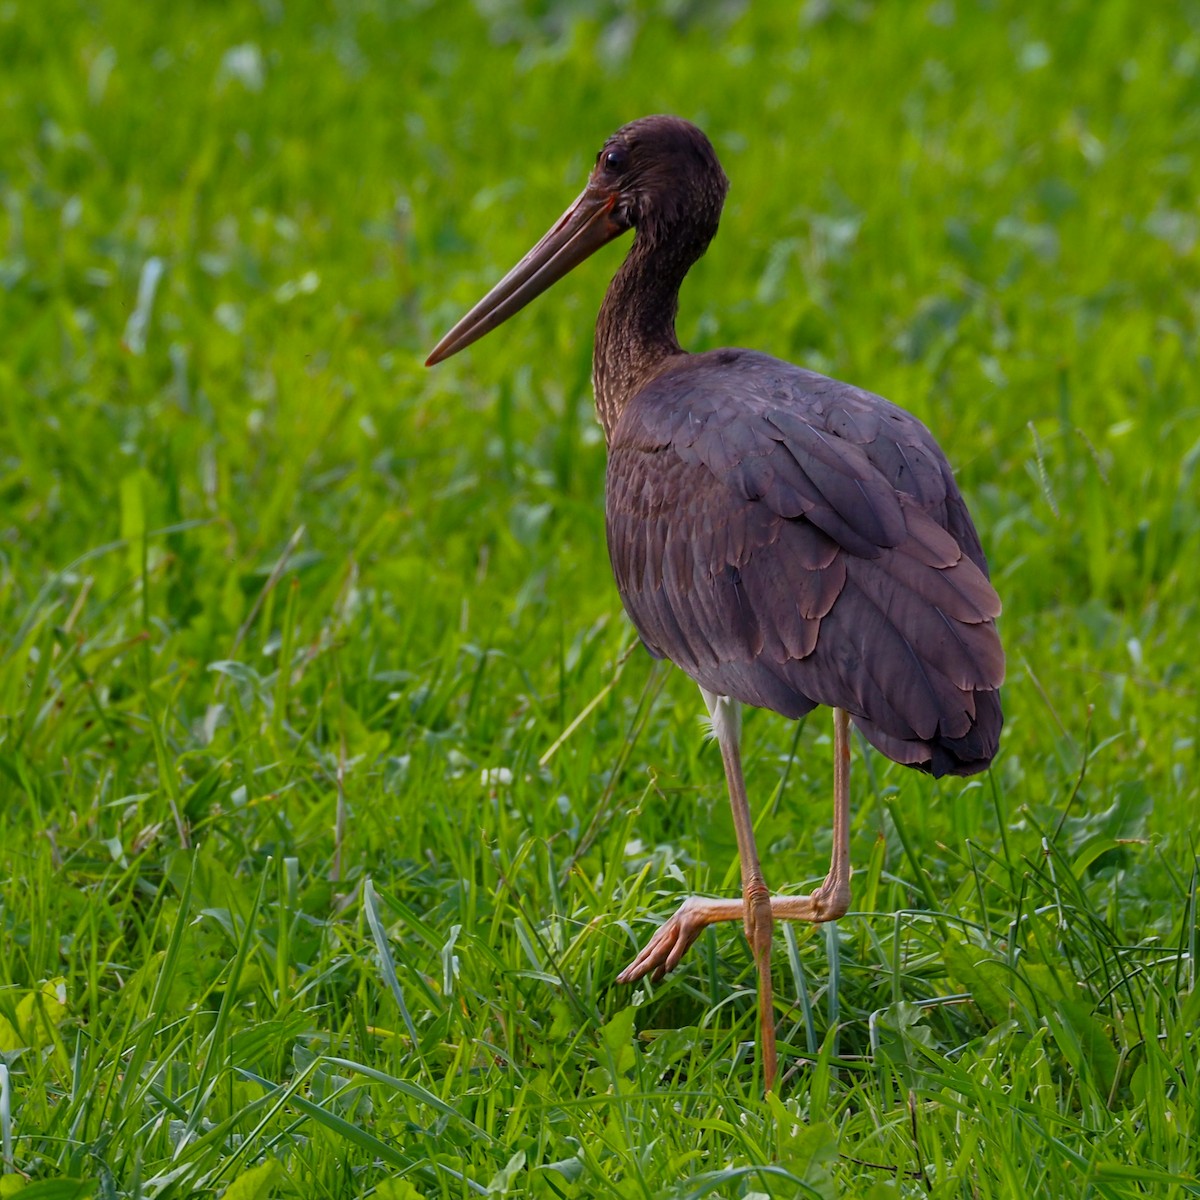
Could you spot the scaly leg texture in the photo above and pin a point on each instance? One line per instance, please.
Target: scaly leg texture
(758, 909)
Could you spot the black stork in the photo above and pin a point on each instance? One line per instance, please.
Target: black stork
(785, 539)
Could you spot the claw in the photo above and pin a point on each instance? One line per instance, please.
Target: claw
(669, 944)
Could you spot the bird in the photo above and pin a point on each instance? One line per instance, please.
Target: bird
(786, 539)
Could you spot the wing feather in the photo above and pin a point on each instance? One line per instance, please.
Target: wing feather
(791, 541)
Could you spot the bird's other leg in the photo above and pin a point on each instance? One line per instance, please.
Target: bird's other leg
(668, 945)
(837, 883)
(832, 898)
(758, 922)
(830, 901)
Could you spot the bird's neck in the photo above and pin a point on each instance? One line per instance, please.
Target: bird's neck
(635, 331)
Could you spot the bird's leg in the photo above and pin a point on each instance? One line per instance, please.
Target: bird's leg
(668, 945)
(834, 893)
(830, 901)
(757, 920)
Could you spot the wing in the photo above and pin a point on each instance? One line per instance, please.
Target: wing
(791, 541)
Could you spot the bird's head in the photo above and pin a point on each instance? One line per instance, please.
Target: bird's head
(662, 178)
(658, 175)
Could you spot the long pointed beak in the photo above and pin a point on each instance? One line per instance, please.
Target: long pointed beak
(585, 227)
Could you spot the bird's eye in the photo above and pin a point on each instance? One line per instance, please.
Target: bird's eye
(616, 160)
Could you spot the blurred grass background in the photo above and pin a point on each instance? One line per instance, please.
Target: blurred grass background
(260, 573)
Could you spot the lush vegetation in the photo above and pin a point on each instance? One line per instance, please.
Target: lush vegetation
(334, 791)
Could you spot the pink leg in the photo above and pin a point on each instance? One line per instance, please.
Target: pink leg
(757, 908)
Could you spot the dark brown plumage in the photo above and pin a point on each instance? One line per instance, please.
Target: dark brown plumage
(786, 539)
(806, 545)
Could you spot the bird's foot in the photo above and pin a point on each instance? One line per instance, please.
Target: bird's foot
(664, 950)
(756, 912)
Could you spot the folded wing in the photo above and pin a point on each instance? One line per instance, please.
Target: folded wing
(791, 541)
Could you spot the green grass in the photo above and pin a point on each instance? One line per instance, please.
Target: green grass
(259, 567)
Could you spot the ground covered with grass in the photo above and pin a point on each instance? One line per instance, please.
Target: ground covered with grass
(334, 792)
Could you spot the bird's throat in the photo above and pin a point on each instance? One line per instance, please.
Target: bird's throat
(635, 331)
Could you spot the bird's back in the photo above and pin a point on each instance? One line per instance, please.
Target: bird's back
(790, 540)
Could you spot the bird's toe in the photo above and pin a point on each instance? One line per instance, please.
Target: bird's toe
(663, 951)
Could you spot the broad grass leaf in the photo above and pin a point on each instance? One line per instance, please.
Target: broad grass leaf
(133, 516)
(36, 1016)
(55, 1189)
(981, 976)
(617, 1036)
(1084, 1040)
(10, 1039)
(255, 1183)
(397, 1189)
(1124, 819)
(807, 1151)
(900, 1025)
(569, 1168)
(502, 1181)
